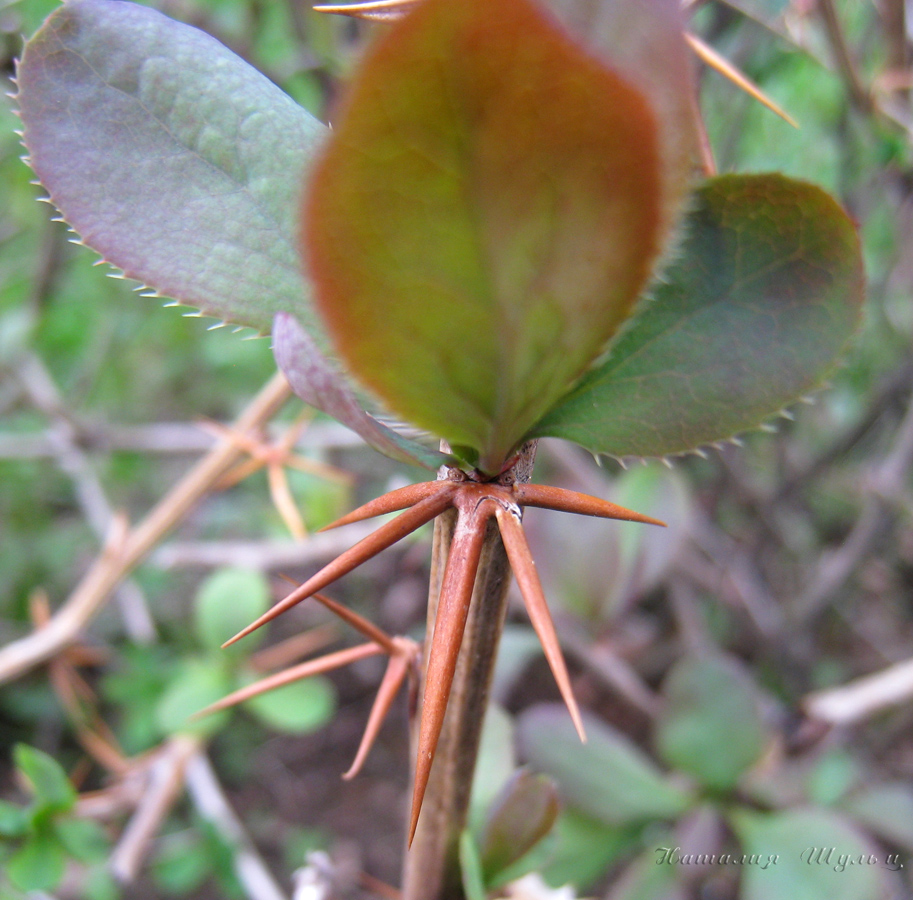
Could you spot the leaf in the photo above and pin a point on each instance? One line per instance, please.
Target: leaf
(645, 879)
(710, 726)
(171, 157)
(38, 865)
(762, 298)
(482, 219)
(315, 380)
(225, 602)
(14, 820)
(887, 810)
(471, 868)
(196, 684)
(82, 839)
(644, 42)
(297, 708)
(52, 789)
(495, 762)
(520, 817)
(608, 777)
(806, 854)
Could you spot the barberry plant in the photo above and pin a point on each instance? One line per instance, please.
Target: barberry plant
(504, 237)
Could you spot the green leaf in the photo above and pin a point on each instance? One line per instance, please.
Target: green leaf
(520, 817)
(495, 763)
(483, 218)
(764, 294)
(52, 789)
(711, 725)
(581, 849)
(14, 820)
(644, 879)
(298, 708)
(171, 157)
(82, 839)
(607, 777)
(226, 602)
(887, 810)
(806, 854)
(195, 685)
(471, 868)
(38, 865)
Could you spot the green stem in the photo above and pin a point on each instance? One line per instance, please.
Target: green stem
(432, 869)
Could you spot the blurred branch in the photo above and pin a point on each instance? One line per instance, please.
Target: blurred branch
(124, 553)
(863, 697)
(164, 781)
(210, 802)
(886, 486)
(41, 390)
(843, 58)
(270, 554)
(160, 437)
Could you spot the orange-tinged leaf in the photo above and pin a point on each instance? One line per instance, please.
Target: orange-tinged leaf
(483, 218)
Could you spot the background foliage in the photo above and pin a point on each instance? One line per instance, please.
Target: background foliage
(787, 568)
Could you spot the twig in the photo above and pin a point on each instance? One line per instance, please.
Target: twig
(861, 698)
(270, 554)
(207, 796)
(43, 393)
(158, 437)
(846, 65)
(164, 786)
(886, 485)
(123, 555)
(432, 869)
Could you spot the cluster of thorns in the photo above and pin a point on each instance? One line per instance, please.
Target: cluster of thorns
(476, 502)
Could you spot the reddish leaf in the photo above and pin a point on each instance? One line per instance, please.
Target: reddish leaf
(483, 218)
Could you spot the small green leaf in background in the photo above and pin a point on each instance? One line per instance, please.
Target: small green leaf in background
(710, 726)
(495, 763)
(172, 157)
(196, 684)
(225, 602)
(82, 839)
(607, 777)
(486, 180)
(38, 865)
(522, 814)
(13, 820)
(886, 810)
(807, 854)
(581, 849)
(763, 295)
(298, 708)
(471, 868)
(643, 879)
(46, 778)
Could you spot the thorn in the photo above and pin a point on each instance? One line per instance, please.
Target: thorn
(294, 673)
(724, 67)
(768, 427)
(699, 451)
(453, 608)
(393, 501)
(524, 568)
(563, 500)
(376, 11)
(666, 462)
(359, 623)
(385, 536)
(397, 669)
(786, 414)
(736, 441)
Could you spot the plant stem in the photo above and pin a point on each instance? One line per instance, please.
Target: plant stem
(432, 869)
